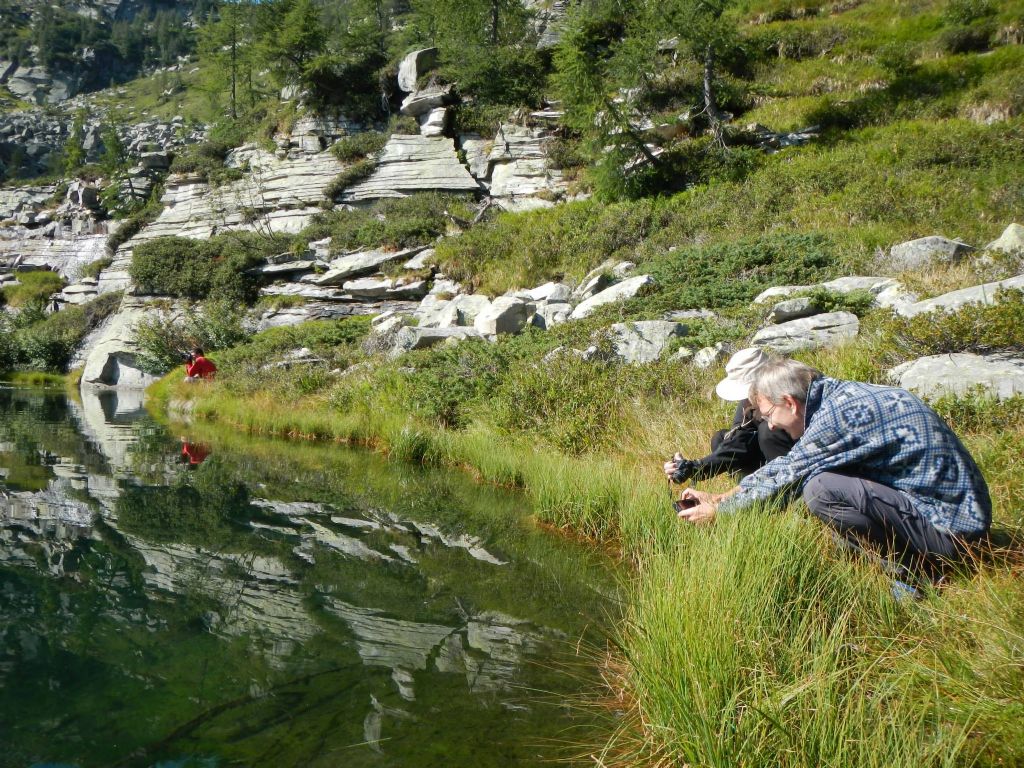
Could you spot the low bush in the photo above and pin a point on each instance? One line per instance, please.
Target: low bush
(394, 223)
(93, 268)
(163, 337)
(967, 11)
(207, 160)
(359, 145)
(48, 344)
(219, 268)
(134, 223)
(32, 288)
(970, 39)
(974, 328)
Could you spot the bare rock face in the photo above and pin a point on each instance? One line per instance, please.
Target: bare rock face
(410, 338)
(827, 330)
(353, 265)
(999, 375)
(955, 300)
(414, 65)
(411, 164)
(518, 163)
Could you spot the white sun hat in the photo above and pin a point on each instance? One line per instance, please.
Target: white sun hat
(739, 373)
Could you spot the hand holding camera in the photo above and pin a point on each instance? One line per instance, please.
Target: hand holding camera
(679, 470)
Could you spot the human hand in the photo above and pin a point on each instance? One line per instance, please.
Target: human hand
(704, 508)
(679, 470)
(671, 465)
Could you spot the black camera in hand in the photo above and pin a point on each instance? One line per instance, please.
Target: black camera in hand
(685, 469)
(188, 357)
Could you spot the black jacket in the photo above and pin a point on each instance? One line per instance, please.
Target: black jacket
(749, 445)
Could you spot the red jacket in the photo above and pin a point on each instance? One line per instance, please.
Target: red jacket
(201, 368)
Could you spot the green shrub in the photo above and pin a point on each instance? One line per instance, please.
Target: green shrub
(393, 223)
(404, 125)
(93, 268)
(974, 328)
(207, 160)
(966, 39)
(48, 345)
(967, 11)
(219, 268)
(859, 302)
(32, 288)
(359, 145)
(163, 338)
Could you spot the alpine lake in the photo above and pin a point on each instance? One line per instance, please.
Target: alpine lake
(172, 597)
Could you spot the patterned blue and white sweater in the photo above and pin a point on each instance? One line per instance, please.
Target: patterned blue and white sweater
(883, 434)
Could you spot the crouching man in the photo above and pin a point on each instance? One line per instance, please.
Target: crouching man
(875, 464)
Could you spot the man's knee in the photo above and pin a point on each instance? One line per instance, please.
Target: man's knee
(820, 494)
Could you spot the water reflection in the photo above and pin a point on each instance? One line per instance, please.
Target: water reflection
(269, 604)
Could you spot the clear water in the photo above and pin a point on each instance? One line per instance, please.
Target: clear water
(208, 600)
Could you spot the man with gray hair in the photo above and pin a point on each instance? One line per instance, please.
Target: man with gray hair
(875, 464)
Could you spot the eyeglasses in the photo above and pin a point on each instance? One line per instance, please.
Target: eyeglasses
(768, 414)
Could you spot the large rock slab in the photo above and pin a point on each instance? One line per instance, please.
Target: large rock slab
(506, 314)
(927, 251)
(954, 300)
(827, 330)
(357, 264)
(1011, 241)
(644, 341)
(414, 337)
(385, 288)
(518, 165)
(422, 102)
(413, 65)
(113, 360)
(627, 289)
(999, 375)
(410, 164)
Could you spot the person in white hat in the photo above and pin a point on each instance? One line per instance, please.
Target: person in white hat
(749, 444)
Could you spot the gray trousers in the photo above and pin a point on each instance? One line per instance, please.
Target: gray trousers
(862, 511)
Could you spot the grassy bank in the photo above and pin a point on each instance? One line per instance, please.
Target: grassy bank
(749, 642)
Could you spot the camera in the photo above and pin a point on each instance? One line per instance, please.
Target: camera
(187, 357)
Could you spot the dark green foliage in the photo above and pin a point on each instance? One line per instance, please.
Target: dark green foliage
(859, 302)
(729, 274)
(968, 11)
(33, 288)
(195, 269)
(966, 39)
(394, 223)
(132, 225)
(447, 383)
(211, 326)
(47, 342)
(359, 145)
(207, 160)
(93, 268)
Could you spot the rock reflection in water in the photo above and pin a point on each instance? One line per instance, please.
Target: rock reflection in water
(260, 604)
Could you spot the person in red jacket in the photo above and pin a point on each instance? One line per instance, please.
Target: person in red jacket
(198, 367)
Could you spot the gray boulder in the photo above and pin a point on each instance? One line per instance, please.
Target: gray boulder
(643, 341)
(1000, 375)
(548, 314)
(381, 288)
(414, 164)
(627, 289)
(827, 330)
(925, 251)
(954, 300)
(434, 122)
(112, 361)
(550, 292)
(709, 356)
(358, 264)
(1011, 241)
(414, 65)
(506, 314)
(793, 309)
(421, 102)
(414, 337)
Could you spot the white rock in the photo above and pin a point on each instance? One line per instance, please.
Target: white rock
(411, 164)
(423, 260)
(548, 314)
(506, 314)
(361, 263)
(413, 65)
(421, 102)
(999, 375)
(627, 289)
(434, 122)
(825, 330)
(556, 292)
(410, 337)
(709, 356)
(954, 300)
(1011, 241)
